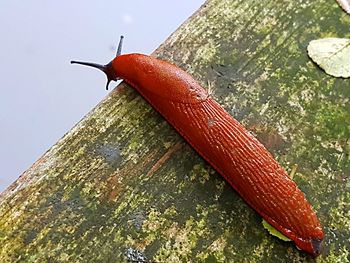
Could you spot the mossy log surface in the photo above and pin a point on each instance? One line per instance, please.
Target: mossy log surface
(122, 185)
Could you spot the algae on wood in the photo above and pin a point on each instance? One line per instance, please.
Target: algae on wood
(123, 185)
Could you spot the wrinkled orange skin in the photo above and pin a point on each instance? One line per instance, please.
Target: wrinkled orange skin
(224, 143)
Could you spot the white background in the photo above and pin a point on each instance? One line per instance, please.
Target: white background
(42, 96)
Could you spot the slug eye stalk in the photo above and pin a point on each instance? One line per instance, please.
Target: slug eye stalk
(107, 69)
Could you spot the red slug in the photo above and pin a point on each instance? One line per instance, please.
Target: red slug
(223, 142)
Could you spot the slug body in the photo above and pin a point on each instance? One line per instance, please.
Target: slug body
(224, 143)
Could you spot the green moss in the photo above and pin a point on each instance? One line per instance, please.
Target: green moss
(200, 173)
(342, 255)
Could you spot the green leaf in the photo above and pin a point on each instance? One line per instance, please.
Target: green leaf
(345, 4)
(332, 55)
(273, 231)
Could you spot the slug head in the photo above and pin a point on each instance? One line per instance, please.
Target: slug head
(107, 69)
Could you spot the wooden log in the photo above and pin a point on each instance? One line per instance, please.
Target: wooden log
(122, 185)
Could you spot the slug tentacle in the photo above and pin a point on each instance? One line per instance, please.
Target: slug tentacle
(107, 69)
